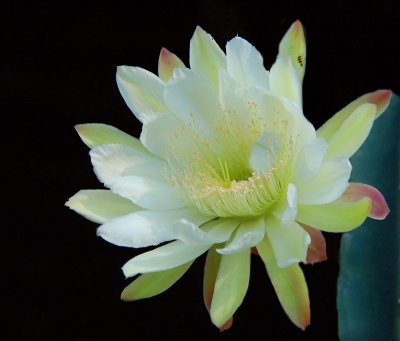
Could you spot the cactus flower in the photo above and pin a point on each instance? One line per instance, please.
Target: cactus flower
(227, 164)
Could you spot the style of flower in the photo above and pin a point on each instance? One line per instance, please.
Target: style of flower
(227, 164)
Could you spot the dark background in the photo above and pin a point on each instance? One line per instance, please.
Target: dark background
(58, 69)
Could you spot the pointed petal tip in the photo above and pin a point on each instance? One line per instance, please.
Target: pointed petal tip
(226, 325)
(297, 25)
(381, 98)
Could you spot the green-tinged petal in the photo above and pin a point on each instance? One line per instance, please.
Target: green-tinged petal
(293, 44)
(352, 133)
(290, 286)
(142, 91)
(248, 234)
(245, 64)
(152, 284)
(164, 257)
(95, 134)
(338, 216)
(289, 243)
(381, 98)
(285, 81)
(328, 185)
(99, 205)
(230, 286)
(167, 62)
(206, 57)
(145, 228)
(211, 268)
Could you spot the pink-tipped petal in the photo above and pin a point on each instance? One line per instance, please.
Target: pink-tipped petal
(167, 62)
(227, 325)
(317, 249)
(379, 208)
(381, 98)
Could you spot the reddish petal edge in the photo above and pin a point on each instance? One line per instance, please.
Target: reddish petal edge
(379, 208)
(317, 249)
(226, 325)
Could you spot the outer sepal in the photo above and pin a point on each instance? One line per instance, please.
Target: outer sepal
(290, 286)
(293, 44)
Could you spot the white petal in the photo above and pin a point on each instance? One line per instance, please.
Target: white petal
(167, 136)
(193, 101)
(165, 257)
(285, 81)
(159, 134)
(145, 228)
(245, 64)
(328, 185)
(206, 57)
(309, 160)
(289, 243)
(148, 193)
(248, 234)
(287, 210)
(100, 205)
(220, 230)
(142, 91)
(113, 161)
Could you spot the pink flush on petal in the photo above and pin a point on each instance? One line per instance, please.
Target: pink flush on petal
(317, 249)
(379, 208)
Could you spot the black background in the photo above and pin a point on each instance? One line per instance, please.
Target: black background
(58, 70)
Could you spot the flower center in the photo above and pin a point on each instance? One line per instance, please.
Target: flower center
(215, 175)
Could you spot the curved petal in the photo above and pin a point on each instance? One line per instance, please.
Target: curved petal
(290, 286)
(148, 193)
(142, 91)
(285, 81)
(338, 216)
(293, 44)
(328, 185)
(317, 249)
(113, 161)
(167, 62)
(289, 243)
(379, 208)
(230, 286)
(152, 284)
(247, 235)
(245, 64)
(352, 133)
(145, 228)
(206, 57)
(381, 98)
(96, 134)
(164, 257)
(99, 205)
(185, 95)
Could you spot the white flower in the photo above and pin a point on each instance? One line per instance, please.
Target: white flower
(227, 163)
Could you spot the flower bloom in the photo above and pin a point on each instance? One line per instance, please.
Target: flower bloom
(227, 164)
